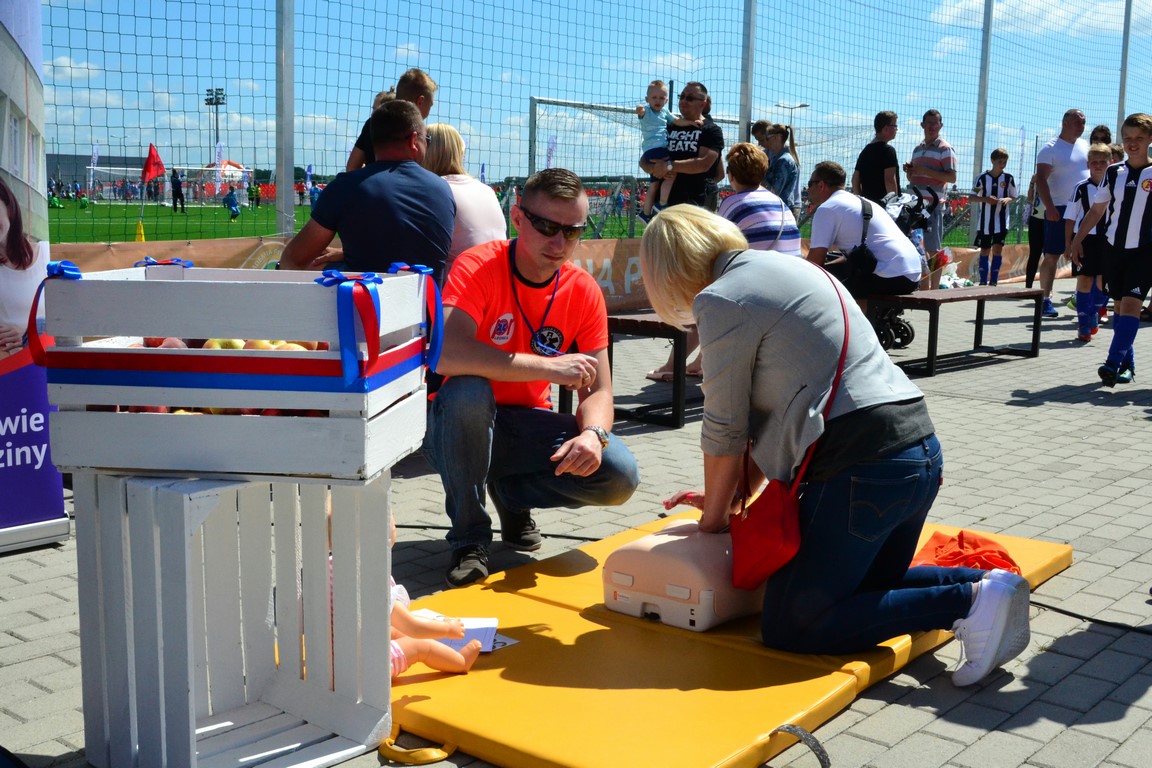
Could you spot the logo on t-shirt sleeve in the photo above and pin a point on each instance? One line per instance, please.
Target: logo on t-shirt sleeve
(502, 329)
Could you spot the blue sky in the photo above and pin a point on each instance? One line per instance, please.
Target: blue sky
(130, 72)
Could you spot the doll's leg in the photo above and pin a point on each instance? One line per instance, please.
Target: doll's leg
(439, 656)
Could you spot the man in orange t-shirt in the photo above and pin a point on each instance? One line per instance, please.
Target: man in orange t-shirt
(513, 310)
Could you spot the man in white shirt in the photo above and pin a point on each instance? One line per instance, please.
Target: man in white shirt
(837, 225)
(1061, 164)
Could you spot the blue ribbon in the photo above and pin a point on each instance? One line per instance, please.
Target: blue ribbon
(64, 269)
(148, 261)
(346, 315)
(436, 333)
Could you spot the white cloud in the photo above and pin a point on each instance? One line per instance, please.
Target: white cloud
(913, 97)
(949, 45)
(407, 51)
(66, 68)
(1076, 18)
(249, 86)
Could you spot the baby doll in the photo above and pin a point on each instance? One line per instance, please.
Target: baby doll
(413, 636)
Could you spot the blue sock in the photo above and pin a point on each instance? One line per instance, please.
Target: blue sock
(1099, 298)
(1123, 334)
(995, 276)
(1085, 311)
(983, 268)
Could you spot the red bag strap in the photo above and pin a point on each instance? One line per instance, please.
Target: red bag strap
(827, 407)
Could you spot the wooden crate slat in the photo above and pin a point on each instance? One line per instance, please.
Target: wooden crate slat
(346, 519)
(375, 566)
(278, 744)
(246, 734)
(256, 567)
(88, 512)
(316, 585)
(118, 696)
(222, 604)
(286, 513)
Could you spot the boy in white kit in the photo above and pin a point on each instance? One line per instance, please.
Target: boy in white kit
(995, 189)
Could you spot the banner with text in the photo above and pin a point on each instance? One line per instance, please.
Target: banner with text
(31, 489)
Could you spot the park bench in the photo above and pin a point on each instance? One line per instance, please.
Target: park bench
(616, 266)
(930, 301)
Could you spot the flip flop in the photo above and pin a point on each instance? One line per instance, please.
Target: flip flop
(659, 375)
(694, 374)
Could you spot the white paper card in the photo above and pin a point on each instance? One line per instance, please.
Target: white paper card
(483, 630)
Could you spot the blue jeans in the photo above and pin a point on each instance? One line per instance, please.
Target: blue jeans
(849, 587)
(471, 442)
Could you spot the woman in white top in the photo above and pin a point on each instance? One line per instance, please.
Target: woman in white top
(20, 273)
(478, 215)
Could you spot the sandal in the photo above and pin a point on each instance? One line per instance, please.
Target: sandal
(659, 375)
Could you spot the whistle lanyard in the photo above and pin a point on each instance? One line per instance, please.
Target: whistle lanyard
(536, 337)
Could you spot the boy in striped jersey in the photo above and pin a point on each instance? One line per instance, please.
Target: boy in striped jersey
(1088, 263)
(994, 190)
(1123, 196)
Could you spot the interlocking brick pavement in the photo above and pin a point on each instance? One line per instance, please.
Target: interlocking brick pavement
(1033, 447)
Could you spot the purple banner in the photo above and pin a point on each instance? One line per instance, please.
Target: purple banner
(31, 490)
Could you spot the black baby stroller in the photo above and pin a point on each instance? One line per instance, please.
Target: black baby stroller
(910, 211)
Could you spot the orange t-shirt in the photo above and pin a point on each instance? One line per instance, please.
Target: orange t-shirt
(481, 285)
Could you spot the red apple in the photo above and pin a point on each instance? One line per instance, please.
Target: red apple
(173, 343)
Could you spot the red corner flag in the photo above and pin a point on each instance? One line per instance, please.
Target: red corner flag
(153, 166)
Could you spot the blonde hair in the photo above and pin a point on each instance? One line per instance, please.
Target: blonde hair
(1100, 150)
(445, 155)
(747, 164)
(676, 256)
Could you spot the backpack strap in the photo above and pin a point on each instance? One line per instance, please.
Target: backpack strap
(866, 216)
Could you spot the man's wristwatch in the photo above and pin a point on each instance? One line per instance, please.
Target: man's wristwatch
(601, 434)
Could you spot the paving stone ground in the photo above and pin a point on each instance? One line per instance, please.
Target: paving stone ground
(1033, 447)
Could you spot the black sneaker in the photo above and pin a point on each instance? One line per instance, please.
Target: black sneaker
(517, 528)
(469, 564)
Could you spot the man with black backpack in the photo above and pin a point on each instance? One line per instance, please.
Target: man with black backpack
(878, 257)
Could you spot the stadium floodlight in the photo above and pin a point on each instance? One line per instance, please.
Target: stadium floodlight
(214, 99)
(791, 109)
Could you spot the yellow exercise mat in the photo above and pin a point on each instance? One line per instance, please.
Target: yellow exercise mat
(588, 687)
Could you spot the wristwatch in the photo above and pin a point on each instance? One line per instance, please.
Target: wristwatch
(601, 433)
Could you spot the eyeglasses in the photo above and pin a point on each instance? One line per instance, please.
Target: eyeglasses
(403, 136)
(549, 228)
(691, 97)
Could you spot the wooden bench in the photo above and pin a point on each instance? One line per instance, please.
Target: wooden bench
(931, 301)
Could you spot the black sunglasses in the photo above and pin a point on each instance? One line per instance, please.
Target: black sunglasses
(692, 97)
(549, 228)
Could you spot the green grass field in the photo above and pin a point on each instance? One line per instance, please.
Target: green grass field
(105, 222)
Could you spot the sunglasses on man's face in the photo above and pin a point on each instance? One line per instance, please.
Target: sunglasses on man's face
(549, 228)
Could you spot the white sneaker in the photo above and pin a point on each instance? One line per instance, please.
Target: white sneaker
(1019, 632)
(983, 632)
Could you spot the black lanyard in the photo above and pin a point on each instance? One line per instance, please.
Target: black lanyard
(536, 337)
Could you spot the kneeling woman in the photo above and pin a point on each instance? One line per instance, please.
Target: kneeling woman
(771, 331)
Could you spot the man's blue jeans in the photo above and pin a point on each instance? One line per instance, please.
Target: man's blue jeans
(934, 229)
(849, 587)
(471, 441)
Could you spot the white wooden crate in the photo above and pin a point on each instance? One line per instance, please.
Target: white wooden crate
(189, 590)
(353, 433)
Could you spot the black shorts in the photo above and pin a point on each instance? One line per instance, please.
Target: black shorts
(1129, 272)
(984, 241)
(1094, 256)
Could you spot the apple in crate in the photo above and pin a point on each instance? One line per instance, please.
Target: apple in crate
(290, 346)
(261, 344)
(153, 341)
(173, 343)
(147, 409)
(224, 344)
